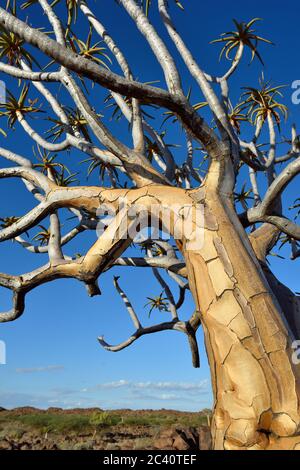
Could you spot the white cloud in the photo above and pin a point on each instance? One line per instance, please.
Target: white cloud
(141, 395)
(115, 394)
(190, 387)
(116, 384)
(31, 370)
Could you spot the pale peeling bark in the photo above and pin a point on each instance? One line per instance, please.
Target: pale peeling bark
(248, 345)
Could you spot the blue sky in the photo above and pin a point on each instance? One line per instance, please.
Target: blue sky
(53, 357)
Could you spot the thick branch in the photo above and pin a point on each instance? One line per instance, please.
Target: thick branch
(30, 75)
(114, 82)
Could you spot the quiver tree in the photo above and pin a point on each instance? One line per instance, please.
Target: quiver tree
(249, 318)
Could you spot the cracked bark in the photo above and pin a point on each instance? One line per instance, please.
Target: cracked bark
(255, 383)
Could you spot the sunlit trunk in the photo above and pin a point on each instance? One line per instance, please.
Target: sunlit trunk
(255, 384)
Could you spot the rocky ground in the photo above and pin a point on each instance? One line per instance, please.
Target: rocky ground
(94, 429)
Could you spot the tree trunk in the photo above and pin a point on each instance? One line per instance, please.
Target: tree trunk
(255, 384)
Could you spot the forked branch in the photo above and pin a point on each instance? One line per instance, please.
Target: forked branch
(188, 328)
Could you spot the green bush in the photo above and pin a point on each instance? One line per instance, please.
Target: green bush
(103, 418)
(164, 419)
(55, 423)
